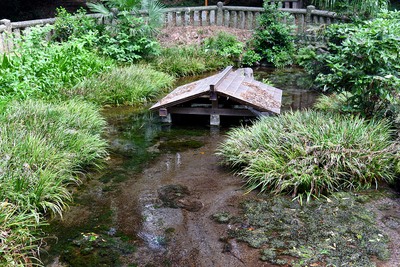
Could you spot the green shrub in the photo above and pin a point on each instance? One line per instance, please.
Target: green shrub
(311, 152)
(227, 45)
(354, 9)
(131, 85)
(273, 39)
(362, 60)
(332, 103)
(69, 26)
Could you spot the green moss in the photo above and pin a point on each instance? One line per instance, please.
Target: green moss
(170, 230)
(267, 254)
(222, 217)
(332, 231)
(112, 175)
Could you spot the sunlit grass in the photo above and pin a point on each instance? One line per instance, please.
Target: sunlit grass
(311, 152)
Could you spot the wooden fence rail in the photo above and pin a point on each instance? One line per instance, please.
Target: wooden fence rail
(219, 15)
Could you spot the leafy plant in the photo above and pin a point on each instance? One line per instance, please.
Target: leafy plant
(39, 68)
(154, 10)
(354, 8)
(311, 152)
(126, 41)
(68, 26)
(273, 39)
(363, 60)
(227, 45)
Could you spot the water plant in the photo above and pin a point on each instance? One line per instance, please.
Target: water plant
(311, 152)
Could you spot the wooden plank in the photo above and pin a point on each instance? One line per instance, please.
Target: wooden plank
(226, 83)
(210, 111)
(214, 84)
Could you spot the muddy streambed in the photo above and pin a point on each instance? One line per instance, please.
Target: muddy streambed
(162, 200)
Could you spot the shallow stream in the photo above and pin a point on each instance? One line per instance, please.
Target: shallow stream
(151, 204)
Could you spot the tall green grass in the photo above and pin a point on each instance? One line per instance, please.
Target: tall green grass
(129, 85)
(42, 149)
(17, 246)
(332, 103)
(311, 152)
(190, 60)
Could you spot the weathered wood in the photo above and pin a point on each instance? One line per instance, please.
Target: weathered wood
(217, 81)
(211, 111)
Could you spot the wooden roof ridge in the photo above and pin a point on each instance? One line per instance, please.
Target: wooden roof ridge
(228, 83)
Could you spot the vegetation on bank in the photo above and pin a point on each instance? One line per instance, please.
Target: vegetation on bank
(313, 153)
(43, 148)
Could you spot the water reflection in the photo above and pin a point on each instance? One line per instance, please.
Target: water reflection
(294, 83)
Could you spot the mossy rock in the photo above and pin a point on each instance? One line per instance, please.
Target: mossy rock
(222, 217)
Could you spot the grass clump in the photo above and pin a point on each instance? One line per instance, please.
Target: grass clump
(127, 85)
(311, 152)
(191, 60)
(335, 102)
(42, 148)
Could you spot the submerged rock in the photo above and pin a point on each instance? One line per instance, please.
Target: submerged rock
(176, 196)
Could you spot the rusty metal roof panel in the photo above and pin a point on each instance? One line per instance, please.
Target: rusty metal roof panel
(242, 89)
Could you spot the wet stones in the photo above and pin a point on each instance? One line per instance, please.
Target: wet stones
(176, 196)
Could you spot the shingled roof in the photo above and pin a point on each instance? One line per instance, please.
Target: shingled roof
(228, 83)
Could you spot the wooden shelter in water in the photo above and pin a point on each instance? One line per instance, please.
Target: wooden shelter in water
(229, 93)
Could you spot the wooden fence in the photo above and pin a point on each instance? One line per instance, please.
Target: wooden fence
(219, 15)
